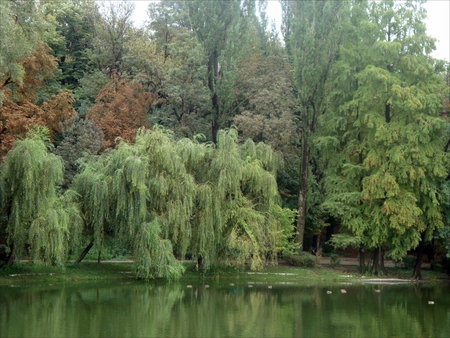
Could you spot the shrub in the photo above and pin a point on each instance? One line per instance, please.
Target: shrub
(304, 260)
(335, 260)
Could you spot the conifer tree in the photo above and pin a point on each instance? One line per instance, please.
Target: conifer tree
(387, 131)
(80, 138)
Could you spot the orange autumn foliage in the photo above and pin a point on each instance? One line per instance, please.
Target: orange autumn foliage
(121, 109)
(19, 112)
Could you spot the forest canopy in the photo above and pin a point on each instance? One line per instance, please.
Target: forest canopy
(207, 133)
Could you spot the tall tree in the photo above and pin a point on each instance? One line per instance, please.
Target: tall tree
(74, 21)
(112, 30)
(387, 130)
(312, 32)
(174, 65)
(220, 28)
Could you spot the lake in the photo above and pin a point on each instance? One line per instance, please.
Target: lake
(138, 309)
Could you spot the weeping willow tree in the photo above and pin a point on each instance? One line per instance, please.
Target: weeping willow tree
(162, 196)
(236, 216)
(37, 215)
(136, 193)
(243, 182)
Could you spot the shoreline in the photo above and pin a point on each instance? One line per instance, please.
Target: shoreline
(26, 273)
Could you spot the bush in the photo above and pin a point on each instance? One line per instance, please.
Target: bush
(335, 260)
(436, 266)
(406, 263)
(304, 260)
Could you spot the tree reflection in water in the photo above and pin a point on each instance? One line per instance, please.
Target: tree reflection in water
(151, 310)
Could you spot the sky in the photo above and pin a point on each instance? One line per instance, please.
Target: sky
(438, 21)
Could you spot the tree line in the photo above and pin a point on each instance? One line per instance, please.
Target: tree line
(208, 132)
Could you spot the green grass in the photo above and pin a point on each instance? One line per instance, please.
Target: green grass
(29, 273)
(322, 273)
(26, 273)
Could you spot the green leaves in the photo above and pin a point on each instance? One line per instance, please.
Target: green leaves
(216, 202)
(387, 101)
(36, 213)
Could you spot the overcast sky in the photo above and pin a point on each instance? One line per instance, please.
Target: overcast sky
(438, 21)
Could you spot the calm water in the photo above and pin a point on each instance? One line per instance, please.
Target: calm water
(138, 309)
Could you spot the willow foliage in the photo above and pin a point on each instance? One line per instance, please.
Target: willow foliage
(93, 188)
(129, 192)
(37, 215)
(244, 193)
(162, 195)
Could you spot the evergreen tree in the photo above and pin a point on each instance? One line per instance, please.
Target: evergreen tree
(80, 138)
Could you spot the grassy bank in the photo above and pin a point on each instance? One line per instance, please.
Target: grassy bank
(322, 273)
(29, 273)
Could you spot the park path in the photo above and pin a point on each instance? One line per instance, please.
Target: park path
(355, 261)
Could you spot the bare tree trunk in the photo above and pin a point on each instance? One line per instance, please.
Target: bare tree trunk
(362, 264)
(199, 264)
(330, 229)
(378, 262)
(315, 244)
(417, 274)
(11, 257)
(84, 253)
(302, 190)
(213, 74)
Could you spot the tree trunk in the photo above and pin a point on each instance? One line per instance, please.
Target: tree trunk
(84, 253)
(213, 74)
(330, 229)
(214, 128)
(199, 264)
(302, 190)
(315, 244)
(11, 257)
(378, 262)
(417, 274)
(429, 251)
(362, 264)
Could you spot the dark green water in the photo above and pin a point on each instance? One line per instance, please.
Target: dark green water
(172, 310)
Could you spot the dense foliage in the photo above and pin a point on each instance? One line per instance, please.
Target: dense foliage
(202, 134)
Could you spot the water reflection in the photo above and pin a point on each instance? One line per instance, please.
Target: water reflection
(173, 310)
